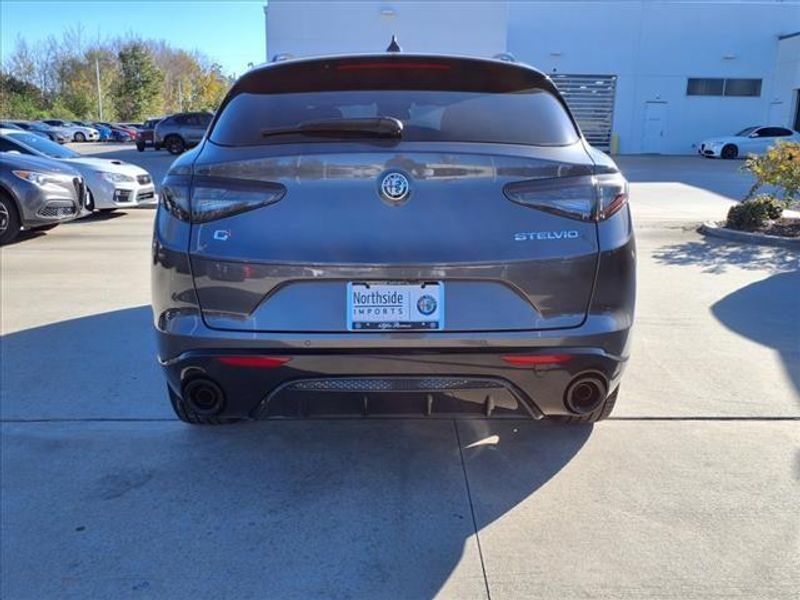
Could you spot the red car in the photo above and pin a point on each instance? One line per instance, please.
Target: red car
(145, 136)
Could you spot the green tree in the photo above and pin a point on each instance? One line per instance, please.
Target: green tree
(137, 93)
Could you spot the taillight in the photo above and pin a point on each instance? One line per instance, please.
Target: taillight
(587, 198)
(209, 199)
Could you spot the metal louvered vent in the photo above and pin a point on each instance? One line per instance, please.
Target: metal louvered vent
(591, 100)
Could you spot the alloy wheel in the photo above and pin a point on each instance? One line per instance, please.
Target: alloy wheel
(4, 218)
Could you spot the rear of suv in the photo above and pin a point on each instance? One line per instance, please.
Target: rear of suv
(180, 131)
(393, 234)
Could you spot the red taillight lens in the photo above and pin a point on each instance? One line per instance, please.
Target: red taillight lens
(612, 194)
(587, 198)
(530, 360)
(257, 362)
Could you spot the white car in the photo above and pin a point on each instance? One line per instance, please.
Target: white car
(111, 184)
(76, 133)
(752, 140)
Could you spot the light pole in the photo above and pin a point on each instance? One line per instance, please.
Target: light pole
(99, 92)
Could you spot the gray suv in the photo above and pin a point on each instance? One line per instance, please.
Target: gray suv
(390, 235)
(178, 132)
(36, 193)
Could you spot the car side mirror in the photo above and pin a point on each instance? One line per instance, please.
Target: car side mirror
(13, 152)
(753, 135)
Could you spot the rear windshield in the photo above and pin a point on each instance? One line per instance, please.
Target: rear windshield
(454, 104)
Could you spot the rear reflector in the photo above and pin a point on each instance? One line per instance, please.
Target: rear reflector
(262, 362)
(529, 360)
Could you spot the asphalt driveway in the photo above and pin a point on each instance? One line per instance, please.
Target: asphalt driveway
(690, 491)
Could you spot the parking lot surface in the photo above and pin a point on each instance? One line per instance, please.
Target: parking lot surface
(689, 491)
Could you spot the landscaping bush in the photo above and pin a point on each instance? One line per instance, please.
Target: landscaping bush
(752, 214)
(779, 166)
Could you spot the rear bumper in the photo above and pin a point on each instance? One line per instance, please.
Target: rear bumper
(324, 377)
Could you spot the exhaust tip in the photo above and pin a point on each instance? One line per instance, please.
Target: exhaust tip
(204, 397)
(585, 394)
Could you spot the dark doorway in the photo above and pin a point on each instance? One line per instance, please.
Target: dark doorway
(797, 110)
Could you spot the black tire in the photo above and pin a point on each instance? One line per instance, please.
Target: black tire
(729, 151)
(156, 147)
(188, 416)
(9, 220)
(78, 137)
(174, 144)
(600, 413)
(140, 146)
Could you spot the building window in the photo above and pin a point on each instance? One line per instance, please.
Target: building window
(698, 86)
(742, 87)
(705, 87)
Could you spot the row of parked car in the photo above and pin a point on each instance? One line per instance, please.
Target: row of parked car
(43, 183)
(174, 133)
(61, 131)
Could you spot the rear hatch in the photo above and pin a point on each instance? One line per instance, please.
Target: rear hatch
(324, 179)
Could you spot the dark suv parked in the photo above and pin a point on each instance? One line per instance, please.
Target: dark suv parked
(393, 234)
(178, 132)
(145, 136)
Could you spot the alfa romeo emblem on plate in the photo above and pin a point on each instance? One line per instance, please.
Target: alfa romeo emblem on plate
(426, 304)
(395, 187)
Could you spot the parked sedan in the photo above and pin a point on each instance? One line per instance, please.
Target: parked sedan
(111, 184)
(116, 133)
(751, 140)
(77, 133)
(48, 131)
(36, 193)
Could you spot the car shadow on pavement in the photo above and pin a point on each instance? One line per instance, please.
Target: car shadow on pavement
(27, 236)
(715, 256)
(767, 313)
(136, 500)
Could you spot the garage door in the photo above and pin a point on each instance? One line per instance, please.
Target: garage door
(591, 99)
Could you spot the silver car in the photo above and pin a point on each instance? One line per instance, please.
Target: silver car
(76, 133)
(110, 183)
(178, 132)
(36, 193)
(390, 235)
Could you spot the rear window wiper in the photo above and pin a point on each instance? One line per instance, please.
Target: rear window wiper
(373, 127)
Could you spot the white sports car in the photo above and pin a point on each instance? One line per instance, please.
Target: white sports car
(752, 140)
(75, 132)
(111, 184)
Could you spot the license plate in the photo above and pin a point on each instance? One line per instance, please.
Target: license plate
(395, 306)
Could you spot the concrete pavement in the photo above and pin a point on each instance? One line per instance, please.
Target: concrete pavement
(691, 491)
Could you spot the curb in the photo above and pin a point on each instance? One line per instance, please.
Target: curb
(712, 229)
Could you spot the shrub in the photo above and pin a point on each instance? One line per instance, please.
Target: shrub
(754, 213)
(779, 166)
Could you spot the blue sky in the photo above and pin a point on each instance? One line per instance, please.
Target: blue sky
(229, 32)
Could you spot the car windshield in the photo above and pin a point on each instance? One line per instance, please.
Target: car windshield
(42, 145)
(746, 131)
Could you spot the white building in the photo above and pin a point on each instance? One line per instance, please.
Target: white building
(655, 75)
